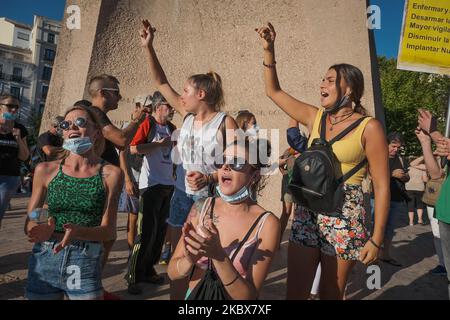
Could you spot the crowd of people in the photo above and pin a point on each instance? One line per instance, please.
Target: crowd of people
(196, 208)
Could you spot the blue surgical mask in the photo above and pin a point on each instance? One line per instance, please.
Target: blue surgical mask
(238, 197)
(78, 145)
(9, 116)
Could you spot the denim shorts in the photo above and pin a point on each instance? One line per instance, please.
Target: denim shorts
(75, 271)
(180, 206)
(397, 210)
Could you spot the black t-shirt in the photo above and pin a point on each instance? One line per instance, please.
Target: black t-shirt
(9, 151)
(397, 186)
(48, 139)
(109, 154)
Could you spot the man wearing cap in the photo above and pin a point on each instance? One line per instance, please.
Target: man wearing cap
(50, 143)
(153, 141)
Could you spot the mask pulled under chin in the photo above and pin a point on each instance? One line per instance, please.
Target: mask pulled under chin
(78, 145)
(243, 194)
(253, 131)
(339, 104)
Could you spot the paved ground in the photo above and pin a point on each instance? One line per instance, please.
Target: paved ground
(413, 246)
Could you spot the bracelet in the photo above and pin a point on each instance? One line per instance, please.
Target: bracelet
(234, 280)
(272, 65)
(373, 242)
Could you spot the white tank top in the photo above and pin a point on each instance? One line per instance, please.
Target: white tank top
(197, 148)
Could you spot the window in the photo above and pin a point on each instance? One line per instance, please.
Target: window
(49, 54)
(15, 91)
(17, 74)
(1, 71)
(23, 36)
(51, 38)
(41, 108)
(44, 92)
(47, 74)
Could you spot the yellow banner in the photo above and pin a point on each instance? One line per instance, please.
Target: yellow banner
(425, 38)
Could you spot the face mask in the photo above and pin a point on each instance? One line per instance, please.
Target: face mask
(253, 131)
(238, 197)
(78, 145)
(9, 116)
(339, 104)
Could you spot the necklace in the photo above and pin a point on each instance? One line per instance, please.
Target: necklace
(346, 116)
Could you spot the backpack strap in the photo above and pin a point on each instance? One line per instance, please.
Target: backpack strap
(354, 170)
(241, 244)
(223, 130)
(152, 133)
(347, 130)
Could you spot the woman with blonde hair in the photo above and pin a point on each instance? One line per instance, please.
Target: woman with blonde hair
(201, 138)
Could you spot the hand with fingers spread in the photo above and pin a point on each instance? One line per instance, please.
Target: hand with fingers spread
(443, 147)
(41, 232)
(427, 122)
(268, 35)
(147, 34)
(196, 180)
(70, 233)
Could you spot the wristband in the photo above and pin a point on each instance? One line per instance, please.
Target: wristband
(373, 242)
(234, 280)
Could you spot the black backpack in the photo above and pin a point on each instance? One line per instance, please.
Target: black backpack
(317, 182)
(135, 160)
(210, 287)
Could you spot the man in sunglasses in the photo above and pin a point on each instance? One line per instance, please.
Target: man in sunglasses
(50, 143)
(105, 96)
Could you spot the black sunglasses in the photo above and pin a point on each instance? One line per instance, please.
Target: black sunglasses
(79, 122)
(235, 164)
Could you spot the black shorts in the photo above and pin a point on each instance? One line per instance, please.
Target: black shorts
(415, 201)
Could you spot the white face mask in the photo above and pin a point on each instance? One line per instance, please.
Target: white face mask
(78, 145)
(253, 131)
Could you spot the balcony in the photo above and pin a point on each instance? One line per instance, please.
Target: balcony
(14, 78)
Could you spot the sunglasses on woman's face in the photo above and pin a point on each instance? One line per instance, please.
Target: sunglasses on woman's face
(79, 122)
(235, 164)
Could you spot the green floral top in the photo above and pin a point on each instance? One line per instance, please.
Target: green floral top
(79, 201)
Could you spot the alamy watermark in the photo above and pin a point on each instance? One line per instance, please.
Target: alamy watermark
(73, 21)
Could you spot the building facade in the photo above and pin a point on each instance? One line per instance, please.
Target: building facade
(26, 63)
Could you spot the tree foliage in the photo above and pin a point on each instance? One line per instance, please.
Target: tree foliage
(403, 92)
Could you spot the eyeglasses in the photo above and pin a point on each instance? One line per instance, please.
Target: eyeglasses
(79, 122)
(235, 164)
(112, 89)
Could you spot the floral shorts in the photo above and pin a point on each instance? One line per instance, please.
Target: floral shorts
(341, 236)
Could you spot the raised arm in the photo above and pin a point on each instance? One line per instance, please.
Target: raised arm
(428, 123)
(433, 168)
(157, 73)
(300, 111)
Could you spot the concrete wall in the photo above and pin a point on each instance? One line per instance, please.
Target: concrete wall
(195, 36)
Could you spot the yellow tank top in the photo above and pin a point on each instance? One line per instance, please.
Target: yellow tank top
(349, 150)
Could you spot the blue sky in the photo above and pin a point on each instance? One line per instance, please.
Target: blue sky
(386, 38)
